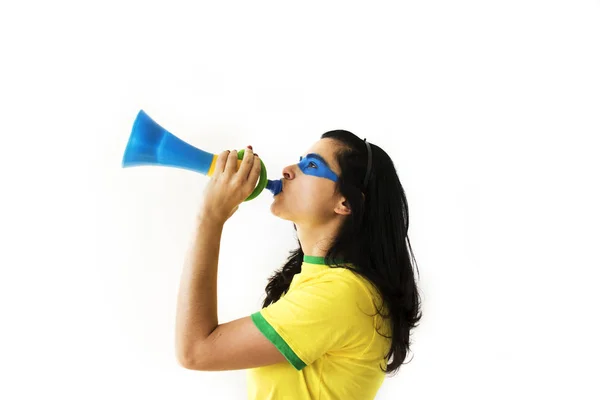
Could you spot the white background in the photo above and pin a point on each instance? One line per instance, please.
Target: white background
(490, 111)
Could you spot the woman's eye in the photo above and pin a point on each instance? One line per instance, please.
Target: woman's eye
(312, 163)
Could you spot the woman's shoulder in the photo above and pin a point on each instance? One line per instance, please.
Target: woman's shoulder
(352, 282)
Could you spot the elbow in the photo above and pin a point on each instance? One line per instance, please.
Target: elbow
(184, 362)
(183, 354)
(191, 358)
(193, 365)
(185, 359)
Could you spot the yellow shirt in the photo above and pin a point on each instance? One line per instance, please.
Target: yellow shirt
(325, 328)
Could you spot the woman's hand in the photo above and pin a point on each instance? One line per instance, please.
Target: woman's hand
(228, 188)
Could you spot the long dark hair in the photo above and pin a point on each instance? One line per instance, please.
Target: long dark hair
(378, 222)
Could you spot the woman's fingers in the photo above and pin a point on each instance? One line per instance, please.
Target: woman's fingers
(220, 164)
(231, 166)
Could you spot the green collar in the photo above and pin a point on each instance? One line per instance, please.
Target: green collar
(319, 260)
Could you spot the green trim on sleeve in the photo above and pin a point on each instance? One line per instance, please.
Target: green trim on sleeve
(271, 334)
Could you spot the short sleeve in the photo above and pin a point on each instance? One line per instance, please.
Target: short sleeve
(314, 318)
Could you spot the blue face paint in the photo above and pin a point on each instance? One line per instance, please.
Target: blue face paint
(314, 165)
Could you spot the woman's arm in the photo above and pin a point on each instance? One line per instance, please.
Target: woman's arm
(203, 344)
(197, 299)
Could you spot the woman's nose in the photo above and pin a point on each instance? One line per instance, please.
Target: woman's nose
(288, 172)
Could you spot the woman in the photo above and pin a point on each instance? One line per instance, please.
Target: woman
(345, 301)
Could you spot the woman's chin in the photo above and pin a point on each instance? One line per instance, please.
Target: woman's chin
(274, 208)
(277, 210)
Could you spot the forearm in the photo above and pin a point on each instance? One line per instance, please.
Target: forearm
(197, 298)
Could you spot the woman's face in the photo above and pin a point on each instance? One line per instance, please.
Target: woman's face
(308, 195)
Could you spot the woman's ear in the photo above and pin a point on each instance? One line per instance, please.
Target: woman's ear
(343, 208)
